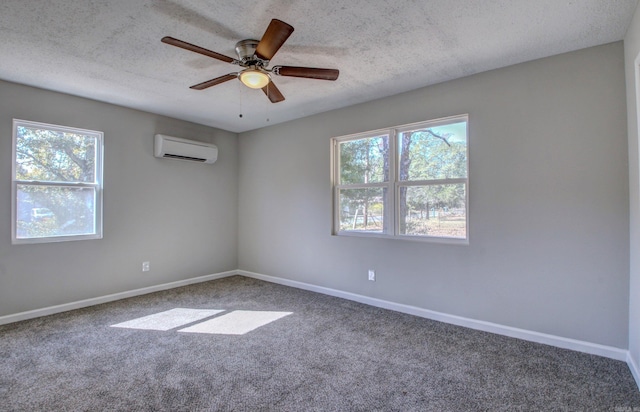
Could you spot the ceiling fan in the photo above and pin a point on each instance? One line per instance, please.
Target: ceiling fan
(254, 57)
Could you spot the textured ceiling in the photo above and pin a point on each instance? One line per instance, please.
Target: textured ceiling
(110, 50)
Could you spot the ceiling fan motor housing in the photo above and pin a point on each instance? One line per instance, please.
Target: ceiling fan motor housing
(246, 50)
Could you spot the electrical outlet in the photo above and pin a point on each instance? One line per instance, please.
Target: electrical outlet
(372, 275)
(145, 266)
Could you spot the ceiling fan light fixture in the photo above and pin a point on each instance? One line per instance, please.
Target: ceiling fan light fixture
(254, 57)
(254, 79)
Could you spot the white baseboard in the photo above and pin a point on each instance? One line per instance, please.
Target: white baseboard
(109, 298)
(558, 341)
(633, 365)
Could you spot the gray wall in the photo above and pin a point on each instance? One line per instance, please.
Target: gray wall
(549, 225)
(631, 51)
(549, 203)
(182, 217)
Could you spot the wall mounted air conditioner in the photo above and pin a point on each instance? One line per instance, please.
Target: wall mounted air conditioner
(170, 147)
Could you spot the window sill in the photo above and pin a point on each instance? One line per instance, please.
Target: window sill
(419, 239)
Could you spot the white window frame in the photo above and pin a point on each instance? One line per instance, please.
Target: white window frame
(97, 185)
(391, 209)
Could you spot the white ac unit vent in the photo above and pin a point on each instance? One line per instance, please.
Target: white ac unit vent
(170, 147)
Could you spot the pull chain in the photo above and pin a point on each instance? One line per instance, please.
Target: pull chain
(241, 93)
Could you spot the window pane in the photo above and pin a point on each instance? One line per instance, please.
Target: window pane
(364, 160)
(434, 210)
(49, 155)
(433, 153)
(45, 211)
(362, 209)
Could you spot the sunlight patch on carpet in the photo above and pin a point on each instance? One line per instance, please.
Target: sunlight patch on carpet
(237, 322)
(169, 319)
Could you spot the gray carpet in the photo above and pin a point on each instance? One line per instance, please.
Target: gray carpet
(330, 354)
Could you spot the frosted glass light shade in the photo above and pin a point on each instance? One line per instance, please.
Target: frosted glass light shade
(254, 79)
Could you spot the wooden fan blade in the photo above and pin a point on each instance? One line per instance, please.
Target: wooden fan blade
(197, 49)
(213, 82)
(273, 93)
(277, 33)
(307, 72)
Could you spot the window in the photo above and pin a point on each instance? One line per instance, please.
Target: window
(56, 183)
(408, 182)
